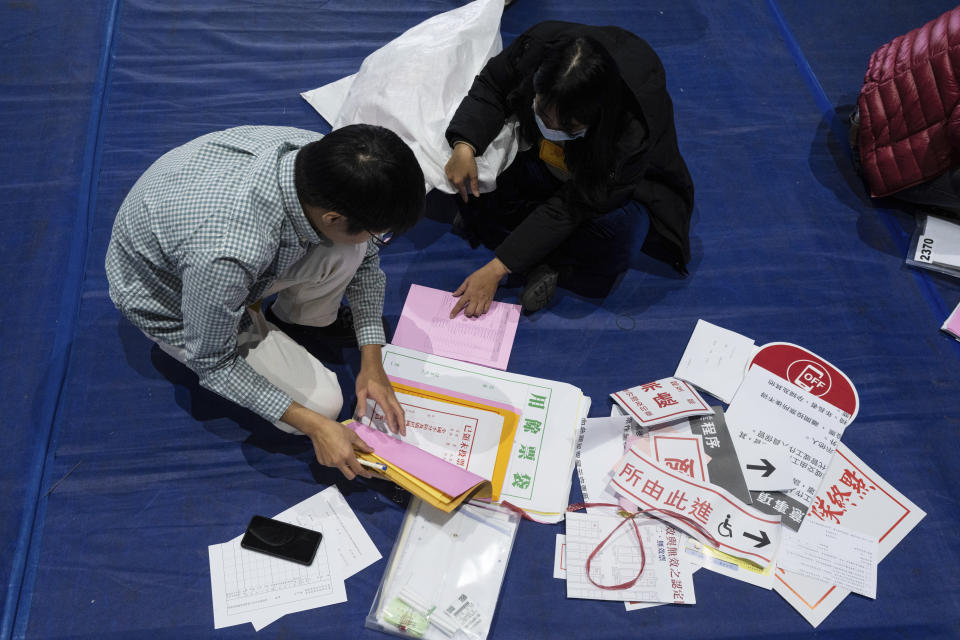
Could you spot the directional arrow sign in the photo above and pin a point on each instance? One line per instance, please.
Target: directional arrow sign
(762, 540)
(705, 511)
(766, 467)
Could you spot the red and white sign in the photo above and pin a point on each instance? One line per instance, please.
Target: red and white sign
(856, 497)
(734, 527)
(661, 401)
(683, 454)
(810, 372)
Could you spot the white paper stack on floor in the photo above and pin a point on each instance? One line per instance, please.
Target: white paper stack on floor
(540, 471)
(252, 587)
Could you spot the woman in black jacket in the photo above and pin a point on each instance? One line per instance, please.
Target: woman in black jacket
(596, 130)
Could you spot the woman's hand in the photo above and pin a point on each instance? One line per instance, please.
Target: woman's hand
(477, 291)
(461, 170)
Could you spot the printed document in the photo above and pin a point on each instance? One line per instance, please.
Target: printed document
(724, 465)
(700, 509)
(940, 243)
(831, 553)
(855, 496)
(715, 360)
(463, 436)
(252, 587)
(599, 446)
(541, 460)
(425, 325)
(769, 412)
(666, 576)
(661, 402)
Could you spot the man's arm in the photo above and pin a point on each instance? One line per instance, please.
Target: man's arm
(213, 299)
(212, 303)
(365, 294)
(333, 443)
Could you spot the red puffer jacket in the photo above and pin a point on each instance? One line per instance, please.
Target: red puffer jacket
(910, 107)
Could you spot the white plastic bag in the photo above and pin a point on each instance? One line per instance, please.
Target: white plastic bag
(414, 84)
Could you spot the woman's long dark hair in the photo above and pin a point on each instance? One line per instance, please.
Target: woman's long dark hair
(581, 79)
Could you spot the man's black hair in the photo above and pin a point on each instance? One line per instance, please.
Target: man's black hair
(365, 173)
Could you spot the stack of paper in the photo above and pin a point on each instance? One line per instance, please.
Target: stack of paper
(433, 479)
(465, 431)
(425, 325)
(537, 470)
(852, 496)
(667, 577)
(816, 519)
(936, 245)
(952, 324)
(252, 587)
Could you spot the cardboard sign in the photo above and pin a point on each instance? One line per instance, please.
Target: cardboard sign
(661, 401)
(736, 528)
(811, 373)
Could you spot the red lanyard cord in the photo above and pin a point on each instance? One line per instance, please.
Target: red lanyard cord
(632, 520)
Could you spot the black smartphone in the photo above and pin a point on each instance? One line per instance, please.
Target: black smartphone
(281, 540)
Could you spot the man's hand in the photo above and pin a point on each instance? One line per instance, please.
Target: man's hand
(461, 170)
(477, 291)
(333, 444)
(372, 383)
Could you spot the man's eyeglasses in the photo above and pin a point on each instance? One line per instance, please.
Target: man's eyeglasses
(380, 240)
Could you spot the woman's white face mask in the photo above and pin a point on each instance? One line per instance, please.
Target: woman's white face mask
(554, 135)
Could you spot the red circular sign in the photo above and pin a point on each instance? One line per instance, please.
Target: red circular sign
(809, 371)
(810, 376)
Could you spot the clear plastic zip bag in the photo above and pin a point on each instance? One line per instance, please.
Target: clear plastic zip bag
(443, 578)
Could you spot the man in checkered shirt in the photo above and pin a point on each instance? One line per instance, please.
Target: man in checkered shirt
(219, 223)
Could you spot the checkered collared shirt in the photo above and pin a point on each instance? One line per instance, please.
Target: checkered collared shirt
(202, 234)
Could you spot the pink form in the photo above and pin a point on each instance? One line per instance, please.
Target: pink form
(436, 472)
(425, 325)
(953, 322)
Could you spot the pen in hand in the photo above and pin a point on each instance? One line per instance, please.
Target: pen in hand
(372, 465)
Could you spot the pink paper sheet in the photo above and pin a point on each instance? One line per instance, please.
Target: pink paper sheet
(425, 325)
(454, 394)
(953, 322)
(438, 473)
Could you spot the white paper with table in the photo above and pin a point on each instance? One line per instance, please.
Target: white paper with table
(252, 587)
(666, 576)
